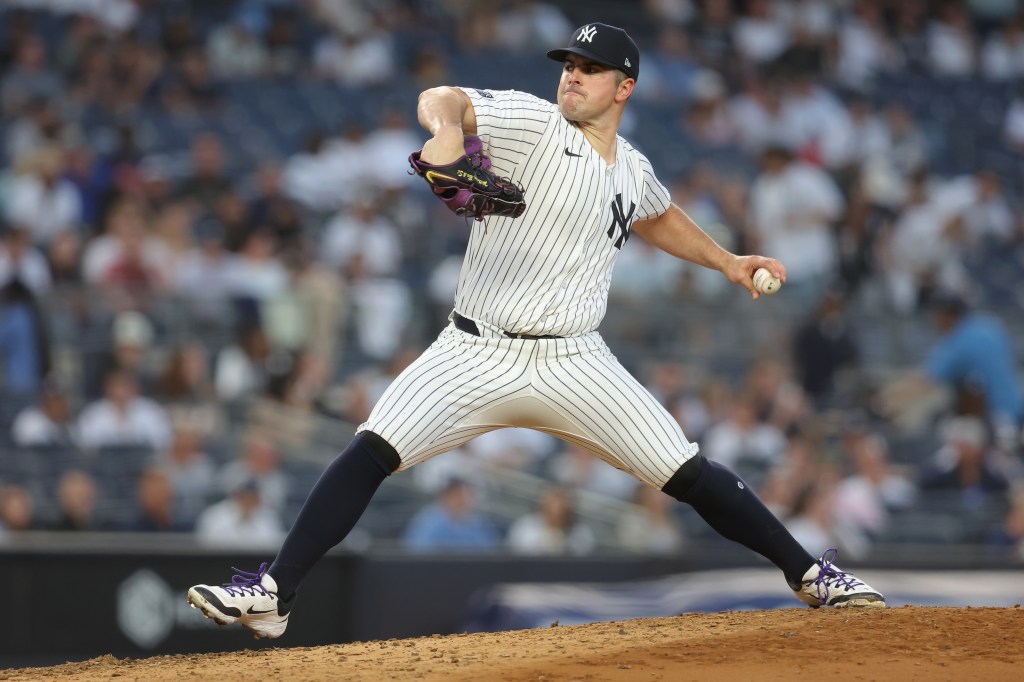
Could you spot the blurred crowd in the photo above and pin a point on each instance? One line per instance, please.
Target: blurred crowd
(212, 255)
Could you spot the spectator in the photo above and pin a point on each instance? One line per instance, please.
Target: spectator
(272, 208)
(552, 529)
(792, 207)
(963, 466)
(207, 182)
(203, 276)
(17, 510)
(743, 441)
(355, 59)
(451, 524)
(155, 509)
(874, 490)
(126, 254)
(48, 422)
(974, 349)
(1002, 57)
(41, 200)
(130, 349)
(30, 78)
(863, 47)
(256, 275)
(236, 50)
(241, 368)
(389, 145)
(363, 233)
(822, 346)
(260, 461)
(241, 520)
(123, 417)
(578, 469)
(651, 528)
(187, 391)
(24, 344)
(759, 34)
(191, 471)
(76, 502)
(814, 523)
(951, 48)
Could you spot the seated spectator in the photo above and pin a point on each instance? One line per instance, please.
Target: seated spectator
(363, 232)
(511, 448)
(22, 262)
(48, 422)
(822, 346)
(867, 497)
(186, 389)
(123, 417)
(191, 471)
(974, 349)
(41, 200)
(76, 501)
(29, 77)
(260, 460)
(241, 368)
(235, 49)
(963, 466)
(17, 510)
(579, 469)
(652, 528)
(552, 529)
(743, 439)
(241, 520)
(256, 274)
(155, 508)
(130, 349)
(451, 524)
(24, 351)
(207, 181)
(202, 275)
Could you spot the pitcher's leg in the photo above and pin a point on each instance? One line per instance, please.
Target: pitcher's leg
(729, 506)
(333, 507)
(735, 512)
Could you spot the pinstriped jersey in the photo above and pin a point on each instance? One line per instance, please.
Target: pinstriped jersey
(549, 271)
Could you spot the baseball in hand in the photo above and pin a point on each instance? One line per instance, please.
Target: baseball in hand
(765, 282)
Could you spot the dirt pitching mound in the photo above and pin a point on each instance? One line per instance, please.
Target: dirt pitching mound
(906, 643)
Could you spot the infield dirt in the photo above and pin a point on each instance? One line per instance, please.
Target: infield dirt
(903, 643)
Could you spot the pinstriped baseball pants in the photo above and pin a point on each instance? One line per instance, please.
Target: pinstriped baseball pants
(573, 388)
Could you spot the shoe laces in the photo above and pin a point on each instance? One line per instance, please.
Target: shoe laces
(245, 583)
(829, 576)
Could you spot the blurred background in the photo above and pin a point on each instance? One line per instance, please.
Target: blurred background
(213, 260)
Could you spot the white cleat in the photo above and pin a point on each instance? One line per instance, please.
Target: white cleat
(825, 585)
(250, 598)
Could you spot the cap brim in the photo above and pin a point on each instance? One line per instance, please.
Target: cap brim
(559, 56)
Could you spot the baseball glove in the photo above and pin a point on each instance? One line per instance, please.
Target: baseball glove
(467, 185)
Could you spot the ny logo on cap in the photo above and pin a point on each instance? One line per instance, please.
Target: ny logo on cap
(587, 34)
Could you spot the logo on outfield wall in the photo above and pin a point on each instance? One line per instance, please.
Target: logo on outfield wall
(145, 608)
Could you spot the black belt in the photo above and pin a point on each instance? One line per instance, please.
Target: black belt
(470, 327)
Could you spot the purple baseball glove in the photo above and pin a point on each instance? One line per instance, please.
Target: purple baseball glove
(467, 185)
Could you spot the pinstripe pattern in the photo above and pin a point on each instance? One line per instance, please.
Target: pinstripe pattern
(544, 273)
(573, 388)
(548, 271)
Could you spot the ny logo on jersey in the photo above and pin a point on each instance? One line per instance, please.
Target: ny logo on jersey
(586, 34)
(621, 220)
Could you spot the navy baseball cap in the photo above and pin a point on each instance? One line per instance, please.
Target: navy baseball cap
(604, 44)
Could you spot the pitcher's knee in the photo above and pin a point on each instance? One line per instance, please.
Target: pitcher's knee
(685, 477)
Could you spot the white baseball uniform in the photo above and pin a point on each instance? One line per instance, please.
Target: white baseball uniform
(545, 273)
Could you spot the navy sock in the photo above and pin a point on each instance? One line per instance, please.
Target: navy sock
(729, 506)
(333, 507)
